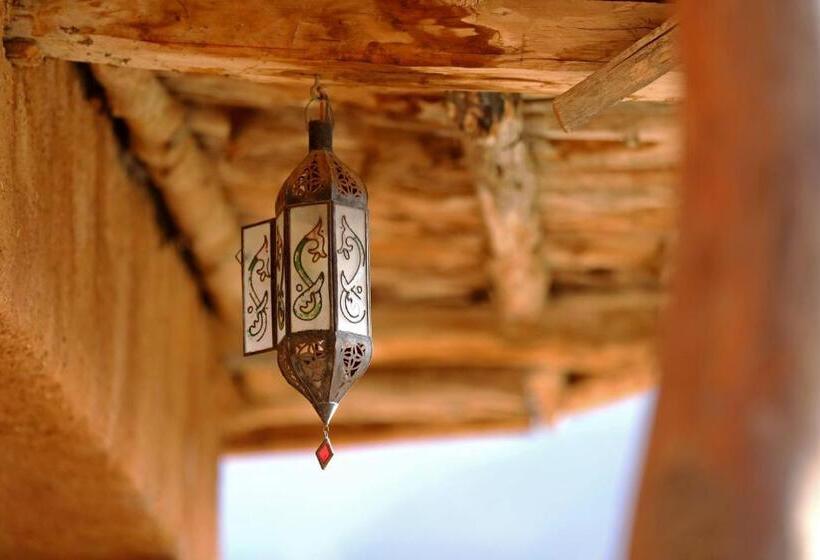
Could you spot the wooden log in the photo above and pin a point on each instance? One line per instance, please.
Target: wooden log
(109, 431)
(444, 288)
(533, 46)
(390, 404)
(585, 333)
(186, 177)
(732, 470)
(652, 56)
(609, 156)
(606, 212)
(211, 125)
(385, 396)
(23, 52)
(304, 436)
(506, 188)
(589, 393)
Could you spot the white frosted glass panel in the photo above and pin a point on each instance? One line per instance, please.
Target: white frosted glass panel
(309, 301)
(279, 285)
(257, 299)
(352, 303)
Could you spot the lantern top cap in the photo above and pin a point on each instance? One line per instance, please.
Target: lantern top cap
(321, 176)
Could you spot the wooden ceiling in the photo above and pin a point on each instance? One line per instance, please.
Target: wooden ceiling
(213, 102)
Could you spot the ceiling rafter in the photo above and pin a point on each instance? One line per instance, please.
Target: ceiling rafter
(525, 46)
(163, 141)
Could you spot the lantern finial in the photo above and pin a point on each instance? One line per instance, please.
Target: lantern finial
(326, 411)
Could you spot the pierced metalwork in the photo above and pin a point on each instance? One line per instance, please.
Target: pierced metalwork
(309, 180)
(346, 184)
(353, 358)
(321, 278)
(311, 362)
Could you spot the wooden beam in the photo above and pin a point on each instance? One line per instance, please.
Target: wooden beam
(186, 177)
(587, 333)
(649, 58)
(390, 108)
(439, 371)
(386, 396)
(521, 45)
(107, 363)
(507, 192)
(733, 469)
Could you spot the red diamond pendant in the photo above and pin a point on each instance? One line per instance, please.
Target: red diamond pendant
(324, 453)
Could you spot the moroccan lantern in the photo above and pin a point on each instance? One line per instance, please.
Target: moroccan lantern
(313, 303)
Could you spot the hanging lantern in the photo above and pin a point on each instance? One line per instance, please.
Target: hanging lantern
(314, 307)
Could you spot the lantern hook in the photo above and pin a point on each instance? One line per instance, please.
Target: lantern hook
(318, 93)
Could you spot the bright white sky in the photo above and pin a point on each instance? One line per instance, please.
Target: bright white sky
(560, 493)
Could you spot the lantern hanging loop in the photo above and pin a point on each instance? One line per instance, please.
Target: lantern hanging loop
(318, 93)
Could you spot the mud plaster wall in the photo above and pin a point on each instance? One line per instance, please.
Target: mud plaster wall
(107, 429)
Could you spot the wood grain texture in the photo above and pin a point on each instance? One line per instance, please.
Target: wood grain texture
(732, 470)
(564, 337)
(512, 45)
(392, 405)
(108, 432)
(652, 56)
(606, 208)
(606, 202)
(507, 191)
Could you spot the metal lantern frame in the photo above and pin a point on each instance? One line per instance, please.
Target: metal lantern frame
(306, 279)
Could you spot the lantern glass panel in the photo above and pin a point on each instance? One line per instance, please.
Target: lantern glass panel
(257, 298)
(309, 301)
(352, 291)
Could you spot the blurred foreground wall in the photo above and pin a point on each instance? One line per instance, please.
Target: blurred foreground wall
(107, 439)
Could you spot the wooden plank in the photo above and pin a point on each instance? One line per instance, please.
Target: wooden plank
(652, 56)
(502, 45)
(732, 470)
(109, 436)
